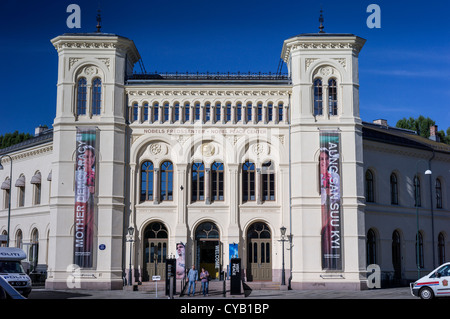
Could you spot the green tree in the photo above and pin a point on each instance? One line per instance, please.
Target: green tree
(10, 139)
(422, 126)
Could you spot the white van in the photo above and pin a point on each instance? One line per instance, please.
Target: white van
(435, 284)
(12, 271)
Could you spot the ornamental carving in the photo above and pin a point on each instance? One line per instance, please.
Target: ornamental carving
(155, 149)
(258, 148)
(208, 149)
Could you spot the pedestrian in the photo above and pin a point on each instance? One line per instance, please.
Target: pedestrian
(192, 277)
(204, 276)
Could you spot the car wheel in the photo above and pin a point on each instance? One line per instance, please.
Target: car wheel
(426, 293)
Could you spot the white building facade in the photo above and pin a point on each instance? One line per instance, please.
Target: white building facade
(220, 164)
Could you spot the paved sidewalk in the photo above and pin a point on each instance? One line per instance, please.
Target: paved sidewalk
(385, 293)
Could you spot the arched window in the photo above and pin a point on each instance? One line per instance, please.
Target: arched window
(96, 96)
(248, 113)
(147, 171)
(166, 112)
(441, 248)
(3, 244)
(394, 189)
(370, 194)
(217, 181)
(417, 195)
(186, 111)
(217, 112)
(6, 186)
(155, 112)
(270, 112)
(20, 184)
(198, 182)
(197, 111)
(207, 112)
(280, 112)
(396, 255)
(19, 239)
(238, 112)
(36, 182)
(419, 251)
(248, 182)
(371, 247)
(268, 182)
(259, 112)
(135, 110)
(318, 99)
(166, 186)
(332, 97)
(146, 113)
(438, 193)
(81, 96)
(33, 252)
(176, 112)
(228, 112)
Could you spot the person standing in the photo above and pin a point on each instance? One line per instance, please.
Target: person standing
(192, 277)
(204, 277)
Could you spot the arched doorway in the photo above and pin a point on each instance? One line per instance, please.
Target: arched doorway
(396, 255)
(155, 251)
(259, 252)
(208, 248)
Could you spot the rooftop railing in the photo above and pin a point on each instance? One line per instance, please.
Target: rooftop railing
(228, 76)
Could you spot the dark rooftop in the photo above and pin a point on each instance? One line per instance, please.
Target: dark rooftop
(205, 78)
(401, 137)
(44, 137)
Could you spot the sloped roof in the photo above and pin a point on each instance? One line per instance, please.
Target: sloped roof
(402, 137)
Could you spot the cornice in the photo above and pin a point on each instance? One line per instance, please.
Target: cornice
(205, 92)
(352, 43)
(96, 42)
(26, 153)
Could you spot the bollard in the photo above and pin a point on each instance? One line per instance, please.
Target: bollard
(171, 287)
(224, 285)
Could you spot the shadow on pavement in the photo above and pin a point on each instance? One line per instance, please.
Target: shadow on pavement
(56, 295)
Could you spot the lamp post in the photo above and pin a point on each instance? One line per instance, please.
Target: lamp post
(283, 239)
(130, 240)
(416, 179)
(9, 197)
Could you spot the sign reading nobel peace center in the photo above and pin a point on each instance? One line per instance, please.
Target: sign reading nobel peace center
(330, 191)
(84, 196)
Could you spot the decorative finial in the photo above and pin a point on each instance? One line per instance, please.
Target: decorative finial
(99, 20)
(321, 22)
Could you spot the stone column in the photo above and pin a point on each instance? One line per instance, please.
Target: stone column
(156, 178)
(208, 186)
(258, 186)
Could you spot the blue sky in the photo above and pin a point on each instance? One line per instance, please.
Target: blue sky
(404, 65)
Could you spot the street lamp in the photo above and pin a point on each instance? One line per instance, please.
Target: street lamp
(9, 197)
(130, 240)
(283, 239)
(416, 179)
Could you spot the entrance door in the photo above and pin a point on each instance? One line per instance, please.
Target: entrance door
(209, 256)
(155, 251)
(157, 258)
(208, 249)
(259, 253)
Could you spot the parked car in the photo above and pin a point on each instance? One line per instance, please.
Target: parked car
(11, 269)
(435, 284)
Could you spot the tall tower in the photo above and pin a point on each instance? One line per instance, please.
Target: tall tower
(327, 214)
(92, 68)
